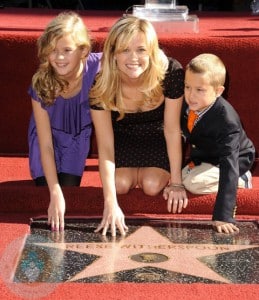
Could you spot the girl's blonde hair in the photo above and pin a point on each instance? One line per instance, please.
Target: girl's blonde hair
(45, 81)
(210, 65)
(107, 89)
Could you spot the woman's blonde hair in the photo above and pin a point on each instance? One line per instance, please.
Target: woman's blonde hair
(107, 89)
(45, 81)
(210, 65)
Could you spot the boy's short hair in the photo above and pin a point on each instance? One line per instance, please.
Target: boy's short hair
(210, 65)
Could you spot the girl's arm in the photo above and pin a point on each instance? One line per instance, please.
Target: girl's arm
(112, 216)
(175, 193)
(56, 208)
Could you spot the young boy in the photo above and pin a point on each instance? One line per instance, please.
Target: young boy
(221, 154)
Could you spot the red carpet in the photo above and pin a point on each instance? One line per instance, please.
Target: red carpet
(20, 201)
(234, 37)
(14, 227)
(18, 193)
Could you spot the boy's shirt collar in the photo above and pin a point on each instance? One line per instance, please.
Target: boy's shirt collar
(202, 112)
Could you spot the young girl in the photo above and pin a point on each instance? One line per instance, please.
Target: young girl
(60, 126)
(135, 105)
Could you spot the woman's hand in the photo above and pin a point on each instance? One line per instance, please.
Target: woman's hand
(224, 227)
(112, 217)
(56, 211)
(176, 197)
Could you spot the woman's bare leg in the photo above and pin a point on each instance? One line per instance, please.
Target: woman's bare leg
(152, 180)
(126, 179)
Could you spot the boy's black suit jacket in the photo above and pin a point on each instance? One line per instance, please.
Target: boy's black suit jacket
(219, 139)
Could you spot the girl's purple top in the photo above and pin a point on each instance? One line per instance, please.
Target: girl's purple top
(68, 119)
(72, 115)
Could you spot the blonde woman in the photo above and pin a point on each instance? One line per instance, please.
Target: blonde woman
(135, 106)
(60, 126)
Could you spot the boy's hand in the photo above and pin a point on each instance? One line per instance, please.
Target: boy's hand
(223, 227)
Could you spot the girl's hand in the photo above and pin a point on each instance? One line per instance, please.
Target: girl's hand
(176, 197)
(112, 217)
(56, 211)
(223, 227)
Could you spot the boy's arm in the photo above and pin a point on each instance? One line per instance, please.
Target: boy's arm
(228, 145)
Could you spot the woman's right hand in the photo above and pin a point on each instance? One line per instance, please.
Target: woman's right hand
(112, 217)
(56, 210)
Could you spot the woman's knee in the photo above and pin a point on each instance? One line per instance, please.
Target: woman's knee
(123, 185)
(125, 179)
(151, 187)
(152, 180)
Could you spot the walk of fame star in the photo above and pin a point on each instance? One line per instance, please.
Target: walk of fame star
(148, 250)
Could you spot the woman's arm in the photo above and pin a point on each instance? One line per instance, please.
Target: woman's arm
(56, 208)
(175, 193)
(112, 215)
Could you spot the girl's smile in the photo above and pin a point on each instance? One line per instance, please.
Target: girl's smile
(66, 58)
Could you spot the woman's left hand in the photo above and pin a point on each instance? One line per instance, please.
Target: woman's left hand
(176, 198)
